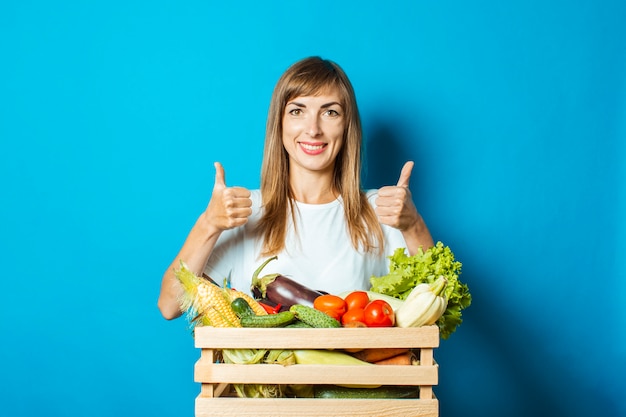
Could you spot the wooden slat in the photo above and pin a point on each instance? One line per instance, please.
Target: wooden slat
(208, 355)
(316, 374)
(304, 407)
(207, 390)
(213, 390)
(222, 386)
(426, 356)
(342, 338)
(426, 391)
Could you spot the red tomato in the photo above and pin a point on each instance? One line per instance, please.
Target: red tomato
(357, 299)
(334, 314)
(378, 313)
(332, 305)
(353, 315)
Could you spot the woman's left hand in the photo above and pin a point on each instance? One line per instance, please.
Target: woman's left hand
(394, 205)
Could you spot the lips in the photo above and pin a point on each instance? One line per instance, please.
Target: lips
(312, 148)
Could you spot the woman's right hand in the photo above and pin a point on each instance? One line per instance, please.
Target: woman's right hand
(229, 207)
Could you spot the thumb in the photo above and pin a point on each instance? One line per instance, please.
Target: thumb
(405, 174)
(220, 180)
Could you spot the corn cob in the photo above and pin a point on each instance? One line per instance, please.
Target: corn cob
(214, 305)
(207, 301)
(256, 307)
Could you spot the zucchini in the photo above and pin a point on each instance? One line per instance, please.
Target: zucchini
(331, 357)
(242, 308)
(271, 320)
(313, 317)
(385, 391)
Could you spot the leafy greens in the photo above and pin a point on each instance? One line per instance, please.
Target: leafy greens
(406, 272)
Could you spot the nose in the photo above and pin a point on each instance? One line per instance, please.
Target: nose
(314, 127)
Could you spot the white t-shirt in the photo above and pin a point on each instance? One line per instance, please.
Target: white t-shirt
(320, 256)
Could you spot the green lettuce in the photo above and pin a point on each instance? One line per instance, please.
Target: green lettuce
(406, 272)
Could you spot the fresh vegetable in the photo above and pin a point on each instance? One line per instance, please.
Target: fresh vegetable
(270, 309)
(372, 355)
(356, 299)
(394, 302)
(325, 357)
(406, 358)
(253, 356)
(281, 319)
(385, 391)
(210, 305)
(330, 304)
(241, 308)
(256, 307)
(423, 306)
(406, 272)
(313, 317)
(206, 303)
(330, 357)
(248, 318)
(298, 325)
(356, 324)
(299, 391)
(378, 313)
(282, 290)
(355, 315)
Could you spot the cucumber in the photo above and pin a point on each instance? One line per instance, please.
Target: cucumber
(249, 319)
(313, 317)
(241, 307)
(271, 320)
(385, 391)
(299, 325)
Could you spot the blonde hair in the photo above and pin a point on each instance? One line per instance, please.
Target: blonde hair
(309, 77)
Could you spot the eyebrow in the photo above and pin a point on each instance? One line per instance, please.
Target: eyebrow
(323, 106)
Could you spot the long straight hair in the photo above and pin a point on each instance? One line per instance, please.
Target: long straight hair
(310, 77)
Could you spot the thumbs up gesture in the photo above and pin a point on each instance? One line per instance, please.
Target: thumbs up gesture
(394, 205)
(229, 207)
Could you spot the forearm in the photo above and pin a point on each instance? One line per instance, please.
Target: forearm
(417, 235)
(195, 252)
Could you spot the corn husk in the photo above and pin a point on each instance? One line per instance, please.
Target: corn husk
(253, 356)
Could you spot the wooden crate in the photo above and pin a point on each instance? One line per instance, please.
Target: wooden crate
(216, 399)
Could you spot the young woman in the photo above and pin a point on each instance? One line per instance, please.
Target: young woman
(310, 211)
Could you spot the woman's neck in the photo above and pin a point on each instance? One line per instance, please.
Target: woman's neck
(313, 188)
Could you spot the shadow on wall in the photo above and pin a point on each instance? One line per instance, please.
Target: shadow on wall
(503, 367)
(498, 364)
(386, 153)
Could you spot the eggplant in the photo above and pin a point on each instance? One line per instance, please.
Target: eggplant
(282, 290)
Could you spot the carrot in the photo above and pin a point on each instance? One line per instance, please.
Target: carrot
(406, 358)
(378, 354)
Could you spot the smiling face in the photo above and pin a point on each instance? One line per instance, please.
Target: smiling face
(313, 130)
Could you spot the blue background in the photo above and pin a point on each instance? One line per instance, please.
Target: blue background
(111, 114)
